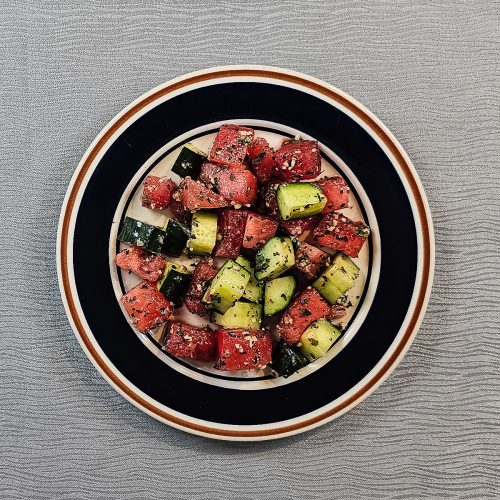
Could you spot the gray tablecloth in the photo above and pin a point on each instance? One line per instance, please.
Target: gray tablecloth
(430, 71)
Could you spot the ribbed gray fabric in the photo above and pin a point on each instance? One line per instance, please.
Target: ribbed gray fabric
(430, 71)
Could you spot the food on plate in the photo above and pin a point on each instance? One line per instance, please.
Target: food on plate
(186, 341)
(318, 337)
(300, 199)
(304, 309)
(337, 279)
(189, 161)
(147, 307)
(336, 232)
(258, 230)
(146, 265)
(203, 274)
(299, 160)
(240, 349)
(254, 244)
(157, 192)
(230, 233)
(203, 233)
(278, 294)
(310, 260)
(174, 282)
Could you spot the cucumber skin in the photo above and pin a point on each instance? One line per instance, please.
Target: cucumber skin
(174, 286)
(149, 237)
(175, 238)
(188, 163)
(287, 360)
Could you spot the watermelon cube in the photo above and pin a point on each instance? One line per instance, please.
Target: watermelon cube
(242, 349)
(231, 145)
(146, 265)
(258, 230)
(203, 273)
(306, 308)
(299, 160)
(186, 341)
(147, 307)
(262, 159)
(337, 232)
(300, 228)
(231, 227)
(157, 192)
(310, 260)
(336, 191)
(194, 195)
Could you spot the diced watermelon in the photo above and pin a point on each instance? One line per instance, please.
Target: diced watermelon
(231, 227)
(203, 273)
(300, 228)
(268, 194)
(194, 195)
(299, 160)
(306, 308)
(146, 265)
(147, 307)
(337, 232)
(179, 212)
(258, 230)
(238, 186)
(209, 173)
(336, 191)
(157, 192)
(337, 311)
(231, 145)
(186, 341)
(310, 260)
(258, 146)
(262, 159)
(242, 349)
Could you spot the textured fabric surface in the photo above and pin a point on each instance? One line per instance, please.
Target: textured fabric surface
(430, 71)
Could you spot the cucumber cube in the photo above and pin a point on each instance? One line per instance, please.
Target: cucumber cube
(300, 199)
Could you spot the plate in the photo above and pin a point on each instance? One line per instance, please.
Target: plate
(397, 263)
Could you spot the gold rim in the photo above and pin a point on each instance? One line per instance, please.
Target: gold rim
(381, 134)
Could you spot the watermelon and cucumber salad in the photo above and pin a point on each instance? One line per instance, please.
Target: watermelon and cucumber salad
(254, 242)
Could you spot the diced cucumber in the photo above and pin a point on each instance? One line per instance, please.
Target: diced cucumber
(174, 282)
(240, 315)
(300, 199)
(189, 161)
(318, 338)
(175, 238)
(337, 279)
(278, 294)
(286, 360)
(254, 292)
(203, 233)
(274, 258)
(140, 234)
(227, 286)
(244, 262)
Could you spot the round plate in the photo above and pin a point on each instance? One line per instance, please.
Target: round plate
(399, 258)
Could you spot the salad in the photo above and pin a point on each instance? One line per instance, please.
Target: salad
(272, 254)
